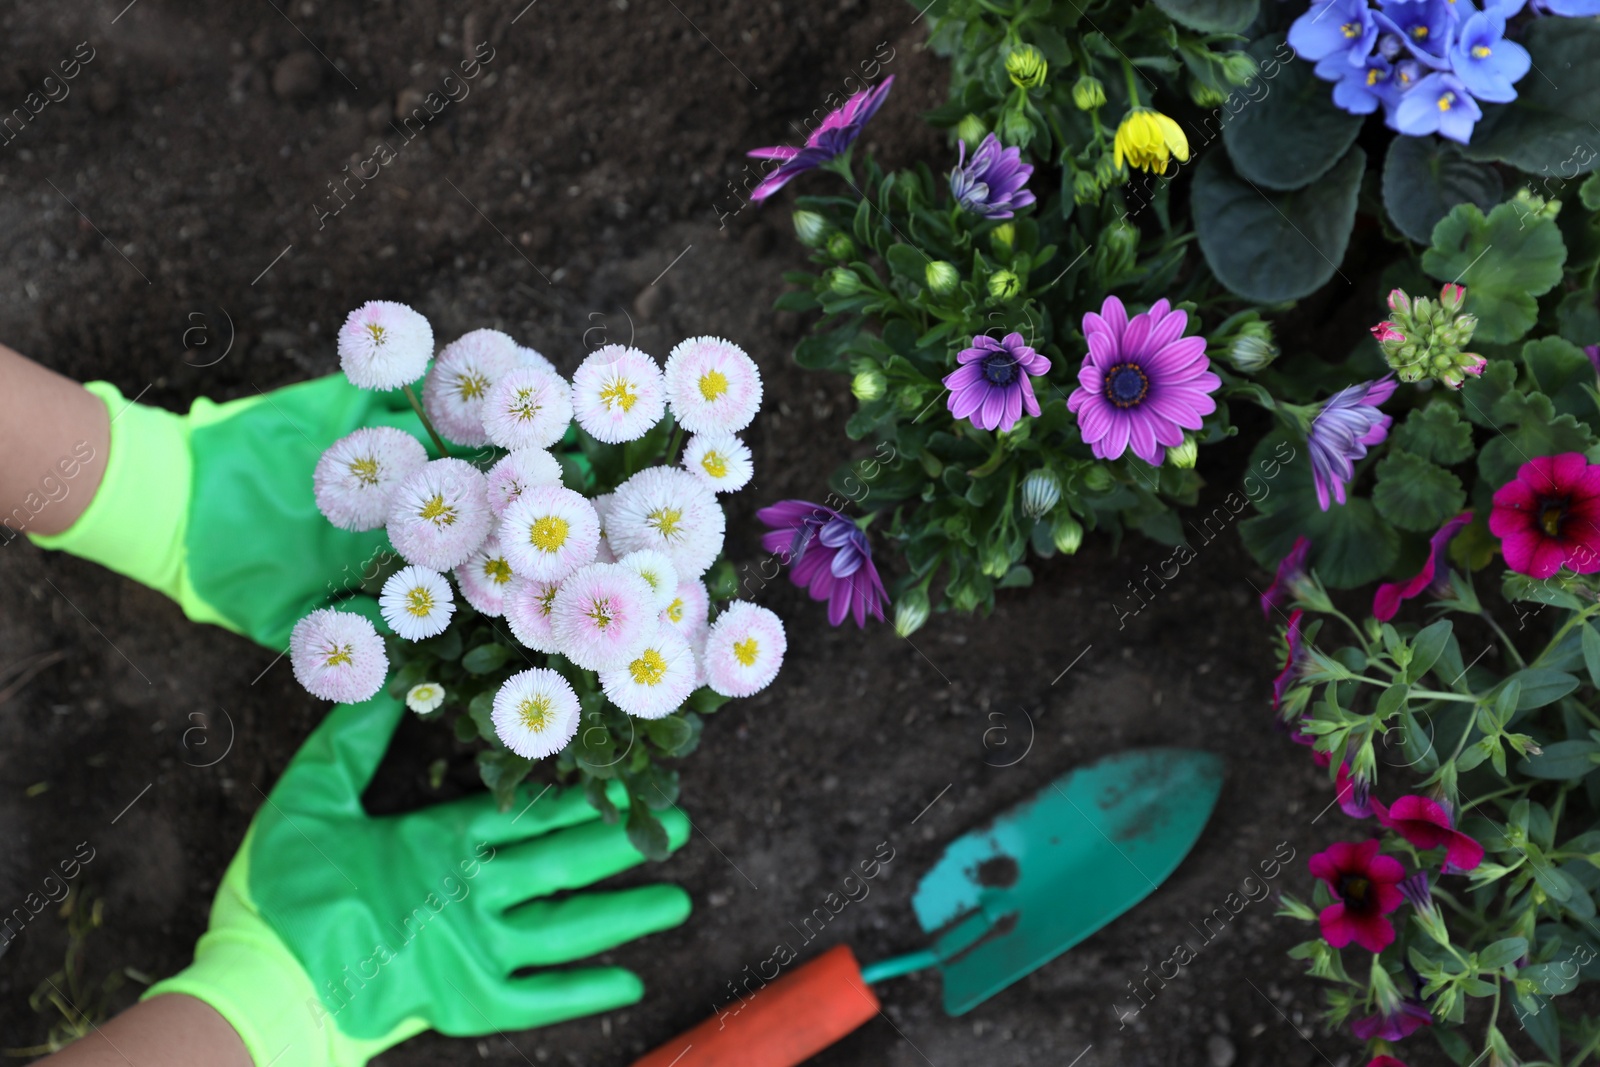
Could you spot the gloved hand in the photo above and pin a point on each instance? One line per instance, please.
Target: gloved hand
(335, 935)
(215, 508)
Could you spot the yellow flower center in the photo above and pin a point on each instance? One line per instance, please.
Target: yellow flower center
(339, 655)
(1446, 100)
(619, 394)
(675, 610)
(1480, 51)
(1372, 76)
(438, 512)
(497, 570)
(365, 470)
(713, 383)
(666, 521)
(376, 331)
(600, 612)
(547, 600)
(651, 578)
(535, 712)
(419, 602)
(422, 693)
(523, 406)
(1405, 79)
(472, 385)
(1419, 32)
(746, 651)
(715, 464)
(1351, 29)
(549, 533)
(649, 668)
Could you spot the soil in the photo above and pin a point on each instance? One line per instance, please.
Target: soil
(176, 206)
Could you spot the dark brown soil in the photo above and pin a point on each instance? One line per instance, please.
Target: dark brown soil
(173, 204)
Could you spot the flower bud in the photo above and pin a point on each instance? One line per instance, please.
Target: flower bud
(1205, 95)
(1106, 171)
(869, 385)
(840, 247)
(1252, 349)
(1003, 237)
(1097, 479)
(1119, 244)
(1452, 296)
(1085, 189)
(996, 560)
(810, 227)
(1041, 490)
(1067, 533)
(1003, 285)
(972, 130)
(911, 612)
(1027, 67)
(1088, 93)
(1238, 67)
(844, 281)
(1185, 454)
(942, 277)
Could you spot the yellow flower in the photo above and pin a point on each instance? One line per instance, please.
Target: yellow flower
(1147, 139)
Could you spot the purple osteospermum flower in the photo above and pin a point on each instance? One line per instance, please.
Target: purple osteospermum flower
(828, 554)
(1435, 573)
(1284, 589)
(1438, 104)
(992, 386)
(1143, 382)
(837, 133)
(993, 184)
(1348, 424)
(1335, 28)
(1485, 61)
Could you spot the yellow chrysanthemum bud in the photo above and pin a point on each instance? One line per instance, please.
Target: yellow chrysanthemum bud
(1027, 67)
(1147, 139)
(1088, 93)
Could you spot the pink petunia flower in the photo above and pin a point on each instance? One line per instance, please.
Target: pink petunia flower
(1365, 888)
(1548, 517)
(1435, 573)
(1428, 824)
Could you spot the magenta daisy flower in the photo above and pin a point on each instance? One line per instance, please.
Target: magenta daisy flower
(338, 656)
(1143, 382)
(354, 480)
(1347, 424)
(992, 386)
(459, 384)
(603, 615)
(439, 514)
(837, 133)
(829, 554)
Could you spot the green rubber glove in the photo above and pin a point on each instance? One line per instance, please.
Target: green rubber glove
(335, 935)
(215, 508)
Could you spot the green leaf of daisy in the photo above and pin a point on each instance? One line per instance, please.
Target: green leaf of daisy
(1416, 494)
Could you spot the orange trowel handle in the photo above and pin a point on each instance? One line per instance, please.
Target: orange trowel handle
(782, 1024)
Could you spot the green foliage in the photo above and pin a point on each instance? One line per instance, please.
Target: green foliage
(1294, 134)
(1548, 129)
(1505, 259)
(1425, 178)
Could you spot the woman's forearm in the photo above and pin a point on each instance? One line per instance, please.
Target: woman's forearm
(54, 438)
(165, 1031)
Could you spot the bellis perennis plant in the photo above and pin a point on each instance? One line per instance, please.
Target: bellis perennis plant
(556, 589)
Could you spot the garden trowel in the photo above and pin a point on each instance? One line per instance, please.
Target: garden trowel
(1003, 900)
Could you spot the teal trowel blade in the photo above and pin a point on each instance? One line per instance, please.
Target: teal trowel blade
(1010, 896)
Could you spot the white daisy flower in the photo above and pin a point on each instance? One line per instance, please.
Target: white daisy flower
(519, 470)
(417, 603)
(617, 394)
(528, 603)
(712, 385)
(602, 615)
(656, 570)
(384, 345)
(744, 650)
(687, 611)
(355, 478)
(338, 656)
(549, 532)
(454, 394)
(602, 507)
(527, 408)
(425, 697)
(536, 713)
(670, 510)
(720, 460)
(486, 577)
(657, 681)
(439, 514)
(530, 357)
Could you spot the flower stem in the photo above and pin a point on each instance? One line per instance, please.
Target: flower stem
(416, 405)
(677, 439)
(1133, 86)
(1511, 649)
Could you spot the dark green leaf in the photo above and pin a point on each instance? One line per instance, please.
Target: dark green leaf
(1435, 432)
(1426, 648)
(1295, 133)
(1503, 952)
(646, 833)
(1559, 369)
(1591, 652)
(1541, 686)
(481, 711)
(1415, 494)
(1551, 979)
(1561, 761)
(1211, 16)
(1547, 129)
(486, 658)
(466, 728)
(502, 771)
(1424, 177)
(1505, 260)
(670, 733)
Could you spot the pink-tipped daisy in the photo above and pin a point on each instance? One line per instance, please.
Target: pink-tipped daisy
(439, 514)
(417, 603)
(670, 510)
(712, 385)
(467, 368)
(602, 507)
(519, 471)
(658, 679)
(720, 460)
(602, 616)
(687, 611)
(527, 408)
(355, 478)
(536, 713)
(548, 532)
(486, 577)
(656, 570)
(528, 603)
(338, 656)
(530, 357)
(617, 394)
(744, 650)
(384, 345)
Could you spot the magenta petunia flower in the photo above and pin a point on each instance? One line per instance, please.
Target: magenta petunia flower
(829, 554)
(1428, 824)
(1548, 517)
(1354, 794)
(993, 387)
(1365, 888)
(1143, 382)
(1294, 661)
(837, 133)
(1285, 588)
(1348, 423)
(1435, 573)
(1398, 1023)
